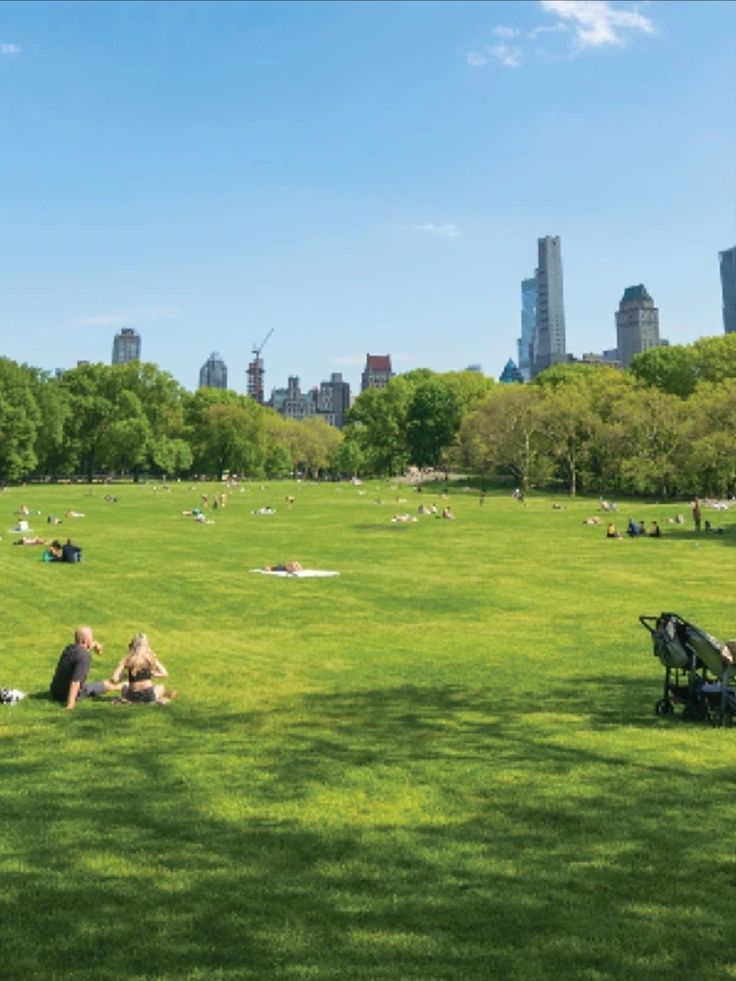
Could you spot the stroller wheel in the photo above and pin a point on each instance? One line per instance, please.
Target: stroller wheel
(664, 707)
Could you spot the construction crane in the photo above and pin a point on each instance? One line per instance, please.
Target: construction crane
(256, 370)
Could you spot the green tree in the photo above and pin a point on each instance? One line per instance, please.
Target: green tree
(197, 423)
(349, 459)
(569, 425)
(278, 461)
(171, 457)
(53, 403)
(128, 435)
(468, 387)
(234, 439)
(670, 369)
(564, 374)
(647, 436)
(710, 461)
(378, 422)
(506, 432)
(715, 358)
(20, 418)
(313, 444)
(432, 422)
(95, 432)
(160, 396)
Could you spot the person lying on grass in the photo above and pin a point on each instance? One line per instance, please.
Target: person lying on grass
(142, 666)
(287, 567)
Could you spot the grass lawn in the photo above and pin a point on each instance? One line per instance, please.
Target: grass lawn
(443, 764)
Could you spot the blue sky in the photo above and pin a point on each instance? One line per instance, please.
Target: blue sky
(358, 177)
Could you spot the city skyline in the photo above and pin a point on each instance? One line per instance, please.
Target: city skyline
(357, 176)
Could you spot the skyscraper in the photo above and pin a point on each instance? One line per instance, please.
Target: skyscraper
(213, 373)
(727, 261)
(333, 400)
(637, 324)
(377, 372)
(291, 402)
(510, 373)
(528, 325)
(548, 347)
(126, 346)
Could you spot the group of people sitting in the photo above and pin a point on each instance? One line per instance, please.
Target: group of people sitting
(635, 529)
(69, 684)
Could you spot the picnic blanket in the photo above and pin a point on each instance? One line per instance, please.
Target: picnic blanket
(303, 574)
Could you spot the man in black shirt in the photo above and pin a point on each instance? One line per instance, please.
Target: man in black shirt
(69, 683)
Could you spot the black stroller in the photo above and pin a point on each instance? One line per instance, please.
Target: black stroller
(698, 670)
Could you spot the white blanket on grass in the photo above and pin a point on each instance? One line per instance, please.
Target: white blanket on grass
(303, 574)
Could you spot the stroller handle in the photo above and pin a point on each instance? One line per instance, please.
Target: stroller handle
(649, 622)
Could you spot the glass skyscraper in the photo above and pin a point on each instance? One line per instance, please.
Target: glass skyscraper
(727, 261)
(549, 336)
(126, 346)
(528, 325)
(213, 373)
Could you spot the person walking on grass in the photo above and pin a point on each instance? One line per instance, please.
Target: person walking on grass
(69, 683)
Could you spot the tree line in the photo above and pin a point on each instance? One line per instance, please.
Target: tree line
(666, 426)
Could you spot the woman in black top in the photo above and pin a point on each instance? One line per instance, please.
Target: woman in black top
(142, 666)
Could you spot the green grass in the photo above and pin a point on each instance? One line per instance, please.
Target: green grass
(442, 764)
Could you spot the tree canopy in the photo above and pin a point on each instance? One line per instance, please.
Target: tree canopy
(667, 426)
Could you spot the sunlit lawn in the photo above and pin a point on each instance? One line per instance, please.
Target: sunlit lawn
(442, 764)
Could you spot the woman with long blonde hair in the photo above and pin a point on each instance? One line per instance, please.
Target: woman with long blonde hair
(142, 666)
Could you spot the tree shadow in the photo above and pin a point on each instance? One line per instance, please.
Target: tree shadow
(448, 855)
(712, 537)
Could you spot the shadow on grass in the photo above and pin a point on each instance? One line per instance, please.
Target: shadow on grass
(384, 526)
(401, 832)
(705, 538)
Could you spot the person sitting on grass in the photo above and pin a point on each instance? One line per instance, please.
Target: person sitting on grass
(292, 567)
(69, 683)
(611, 531)
(656, 531)
(142, 666)
(70, 552)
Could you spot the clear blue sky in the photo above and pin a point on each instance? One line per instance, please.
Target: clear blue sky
(357, 176)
